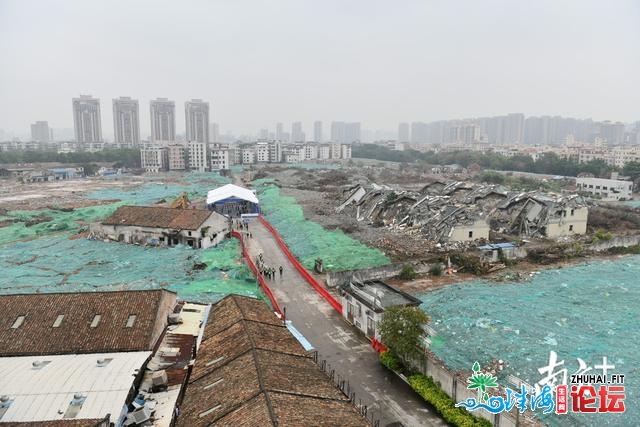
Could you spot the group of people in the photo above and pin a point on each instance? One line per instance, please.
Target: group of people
(241, 225)
(265, 270)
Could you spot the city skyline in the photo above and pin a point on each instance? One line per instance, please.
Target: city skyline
(512, 128)
(380, 65)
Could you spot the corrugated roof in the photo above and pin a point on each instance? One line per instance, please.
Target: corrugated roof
(231, 190)
(62, 323)
(497, 246)
(158, 217)
(44, 392)
(247, 365)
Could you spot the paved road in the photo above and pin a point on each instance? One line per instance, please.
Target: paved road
(388, 398)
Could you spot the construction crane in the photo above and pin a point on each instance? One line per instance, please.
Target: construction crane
(182, 202)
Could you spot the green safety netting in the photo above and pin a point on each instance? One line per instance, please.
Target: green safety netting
(585, 311)
(59, 264)
(308, 240)
(43, 257)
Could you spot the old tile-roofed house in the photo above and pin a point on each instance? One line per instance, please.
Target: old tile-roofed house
(163, 226)
(158, 217)
(92, 322)
(63, 423)
(251, 371)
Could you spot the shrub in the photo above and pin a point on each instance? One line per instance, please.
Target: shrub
(433, 394)
(601, 235)
(407, 273)
(436, 270)
(388, 359)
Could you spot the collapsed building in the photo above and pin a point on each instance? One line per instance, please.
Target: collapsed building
(458, 211)
(543, 215)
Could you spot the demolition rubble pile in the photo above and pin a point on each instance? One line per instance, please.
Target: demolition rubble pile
(439, 208)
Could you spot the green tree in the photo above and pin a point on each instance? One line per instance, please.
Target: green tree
(401, 328)
(632, 169)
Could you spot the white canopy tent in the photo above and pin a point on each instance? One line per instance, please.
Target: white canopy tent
(232, 200)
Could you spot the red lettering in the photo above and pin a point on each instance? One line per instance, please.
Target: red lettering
(582, 397)
(561, 398)
(611, 398)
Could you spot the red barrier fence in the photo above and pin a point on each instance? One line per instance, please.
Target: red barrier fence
(254, 269)
(303, 271)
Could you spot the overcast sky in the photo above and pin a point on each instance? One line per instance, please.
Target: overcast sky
(378, 62)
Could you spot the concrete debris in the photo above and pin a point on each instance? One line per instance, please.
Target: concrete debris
(458, 211)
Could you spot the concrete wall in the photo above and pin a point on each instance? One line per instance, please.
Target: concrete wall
(460, 233)
(165, 307)
(621, 241)
(456, 387)
(569, 225)
(339, 278)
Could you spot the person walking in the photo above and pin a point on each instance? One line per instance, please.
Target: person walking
(280, 271)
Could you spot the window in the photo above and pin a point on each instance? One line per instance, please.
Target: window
(471, 234)
(590, 185)
(216, 382)
(208, 411)
(18, 322)
(214, 361)
(571, 228)
(96, 320)
(572, 211)
(131, 320)
(597, 187)
(58, 321)
(189, 233)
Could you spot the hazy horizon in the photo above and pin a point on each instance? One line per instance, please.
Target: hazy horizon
(379, 63)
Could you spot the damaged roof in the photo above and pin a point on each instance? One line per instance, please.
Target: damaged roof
(251, 371)
(84, 322)
(158, 217)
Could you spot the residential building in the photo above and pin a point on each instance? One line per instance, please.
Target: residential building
(40, 132)
(606, 189)
(235, 154)
(364, 304)
(351, 133)
(163, 120)
(345, 151)
(154, 158)
(310, 152)
(177, 154)
(338, 131)
(249, 155)
(161, 226)
(324, 152)
(420, 134)
(126, 122)
(198, 156)
(297, 135)
(196, 119)
(214, 132)
(275, 152)
(336, 150)
(250, 370)
(317, 131)
(86, 119)
(262, 152)
(219, 157)
(403, 132)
